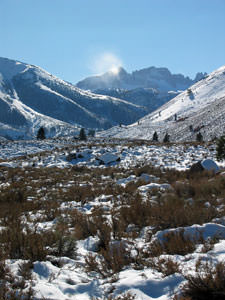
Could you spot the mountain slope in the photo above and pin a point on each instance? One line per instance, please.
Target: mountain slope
(150, 87)
(25, 87)
(150, 98)
(201, 108)
(17, 120)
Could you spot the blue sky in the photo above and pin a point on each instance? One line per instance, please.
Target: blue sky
(74, 39)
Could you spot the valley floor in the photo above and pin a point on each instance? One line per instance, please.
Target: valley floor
(105, 219)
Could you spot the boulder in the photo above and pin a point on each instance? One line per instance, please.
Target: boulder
(6, 164)
(108, 158)
(71, 156)
(205, 165)
(148, 178)
(210, 165)
(196, 167)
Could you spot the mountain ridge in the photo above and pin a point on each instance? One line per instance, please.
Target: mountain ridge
(200, 108)
(30, 96)
(152, 77)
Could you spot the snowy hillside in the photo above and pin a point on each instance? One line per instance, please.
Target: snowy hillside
(201, 108)
(160, 79)
(18, 120)
(31, 97)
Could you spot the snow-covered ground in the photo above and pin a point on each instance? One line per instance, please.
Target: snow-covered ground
(66, 278)
(177, 156)
(70, 282)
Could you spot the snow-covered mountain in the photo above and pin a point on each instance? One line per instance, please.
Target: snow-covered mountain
(150, 98)
(160, 79)
(150, 87)
(30, 97)
(201, 108)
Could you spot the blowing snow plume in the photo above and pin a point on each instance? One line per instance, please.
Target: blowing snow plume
(106, 62)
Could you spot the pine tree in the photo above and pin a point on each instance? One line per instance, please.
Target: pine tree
(82, 135)
(166, 138)
(220, 148)
(41, 133)
(155, 137)
(189, 92)
(199, 137)
(91, 132)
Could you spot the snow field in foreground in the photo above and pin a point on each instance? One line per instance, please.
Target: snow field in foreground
(64, 277)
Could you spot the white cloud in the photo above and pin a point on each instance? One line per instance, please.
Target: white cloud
(105, 62)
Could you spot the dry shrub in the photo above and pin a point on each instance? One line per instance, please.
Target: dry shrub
(167, 210)
(25, 270)
(108, 171)
(135, 211)
(104, 236)
(60, 241)
(148, 169)
(100, 226)
(109, 261)
(115, 257)
(177, 243)
(50, 210)
(79, 169)
(80, 223)
(19, 242)
(12, 287)
(167, 266)
(172, 211)
(12, 201)
(14, 194)
(119, 225)
(64, 246)
(124, 296)
(91, 225)
(207, 283)
(204, 187)
(78, 193)
(209, 243)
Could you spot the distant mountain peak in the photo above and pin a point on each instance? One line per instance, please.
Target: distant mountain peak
(114, 73)
(200, 76)
(154, 70)
(122, 71)
(152, 77)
